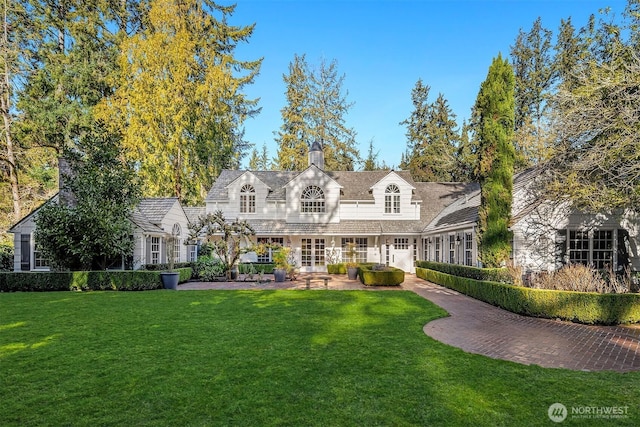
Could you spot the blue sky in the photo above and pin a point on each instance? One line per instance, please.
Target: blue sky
(383, 48)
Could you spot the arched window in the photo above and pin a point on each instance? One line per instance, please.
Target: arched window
(392, 199)
(312, 200)
(247, 199)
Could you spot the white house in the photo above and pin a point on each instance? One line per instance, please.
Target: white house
(154, 219)
(315, 211)
(546, 235)
(390, 218)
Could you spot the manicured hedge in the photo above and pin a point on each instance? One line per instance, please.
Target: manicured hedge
(46, 281)
(390, 276)
(493, 274)
(339, 268)
(264, 267)
(582, 307)
(165, 266)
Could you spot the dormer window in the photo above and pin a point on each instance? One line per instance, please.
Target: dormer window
(312, 200)
(392, 199)
(247, 199)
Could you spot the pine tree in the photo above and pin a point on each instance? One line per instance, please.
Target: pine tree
(533, 68)
(431, 137)
(179, 100)
(294, 137)
(315, 111)
(260, 161)
(494, 129)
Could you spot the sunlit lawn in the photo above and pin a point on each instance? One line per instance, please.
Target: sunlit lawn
(252, 358)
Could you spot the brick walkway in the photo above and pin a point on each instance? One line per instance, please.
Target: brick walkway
(477, 327)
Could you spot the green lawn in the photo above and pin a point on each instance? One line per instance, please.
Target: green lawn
(252, 358)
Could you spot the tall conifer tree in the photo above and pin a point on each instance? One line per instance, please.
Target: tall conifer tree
(495, 113)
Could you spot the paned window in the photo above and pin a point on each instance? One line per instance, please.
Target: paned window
(155, 250)
(312, 200)
(579, 247)
(361, 247)
(39, 261)
(306, 252)
(267, 256)
(602, 249)
(247, 199)
(175, 233)
(452, 249)
(392, 199)
(437, 249)
(401, 243)
(468, 249)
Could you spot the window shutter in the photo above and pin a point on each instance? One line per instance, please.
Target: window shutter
(561, 254)
(147, 250)
(25, 252)
(622, 252)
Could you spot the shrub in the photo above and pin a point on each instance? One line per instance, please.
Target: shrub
(581, 278)
(209, 269)
(255, 267)
(165, 266)
(380, 275)
(45, 281)
(339, 268)
(583, 307)
(6, 258)
(502, 275)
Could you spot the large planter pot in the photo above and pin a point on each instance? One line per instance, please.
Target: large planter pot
(234, 273)
(170, 280)
(279, 274)
(352, 273)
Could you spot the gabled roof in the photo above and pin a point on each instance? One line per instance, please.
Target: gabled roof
(156, 208)
(12, 229)
(465, 209)
(357, 185)
(276, 180)
(193, 213)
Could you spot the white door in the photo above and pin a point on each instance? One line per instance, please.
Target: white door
(400, 254)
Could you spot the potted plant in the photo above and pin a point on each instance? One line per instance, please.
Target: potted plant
(281, 262)
(352, 266)
(170, 278)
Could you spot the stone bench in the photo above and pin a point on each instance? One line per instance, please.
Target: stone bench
(308, 280)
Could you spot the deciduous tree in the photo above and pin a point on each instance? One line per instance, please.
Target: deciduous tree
(179, 100)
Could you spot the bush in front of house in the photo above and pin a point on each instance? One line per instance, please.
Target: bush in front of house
(502, 275)
(582, 307)
(209, 269)
(165, 266)
(339, 268)
(117, 280)
(255, 267)
(380, 275)
(6, 258)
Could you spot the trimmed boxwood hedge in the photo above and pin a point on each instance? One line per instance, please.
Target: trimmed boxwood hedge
(493, 274)
(391, 276)
(46, 281)
(339, 268)
(582, 307)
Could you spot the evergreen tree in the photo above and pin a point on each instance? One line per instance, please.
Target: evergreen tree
(533, 68)
(431, 137)
(179, 102)
(260, 161)
(328, 109)
(494, 129)
(315, 111)
(295, 137)
(466, 157)
(371, 162)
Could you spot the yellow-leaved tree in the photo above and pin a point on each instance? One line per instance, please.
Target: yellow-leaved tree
(179, 102)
